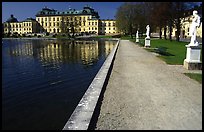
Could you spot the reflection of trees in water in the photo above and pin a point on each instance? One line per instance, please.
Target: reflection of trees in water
(56, 52)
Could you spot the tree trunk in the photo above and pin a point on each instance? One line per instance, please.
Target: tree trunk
(160, 32)
(165, 32)
(178, 30)
(170, 31)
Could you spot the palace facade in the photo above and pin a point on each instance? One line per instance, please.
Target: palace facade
(13, 26)
(48, 20)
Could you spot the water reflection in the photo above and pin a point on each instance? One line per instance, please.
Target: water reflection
(41, 78)
(56, 52)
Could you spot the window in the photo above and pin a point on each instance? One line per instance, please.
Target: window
(53, 24)
(109, 28)
(92, 23)
(58, 19)
(53, 19)
(95, 28)
(95, 23)
(89, 23)
(92, 28)
(45, 19)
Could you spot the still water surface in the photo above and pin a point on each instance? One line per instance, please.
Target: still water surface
(43, 80)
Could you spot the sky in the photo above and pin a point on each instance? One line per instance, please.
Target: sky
(23, 10)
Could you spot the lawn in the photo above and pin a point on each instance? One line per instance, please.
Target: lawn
(195, 76)
(172, 52)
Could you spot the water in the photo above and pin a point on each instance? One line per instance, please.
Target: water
(43, 80)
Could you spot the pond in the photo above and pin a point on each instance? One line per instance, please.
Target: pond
(44, 80)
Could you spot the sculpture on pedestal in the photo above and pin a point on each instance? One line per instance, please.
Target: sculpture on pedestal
(193, 28)
(147, 32)
(147, 39)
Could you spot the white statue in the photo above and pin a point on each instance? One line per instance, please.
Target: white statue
(193, 28)
(137, 35)
(147, 32)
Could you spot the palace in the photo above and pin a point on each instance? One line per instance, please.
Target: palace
(53, 21)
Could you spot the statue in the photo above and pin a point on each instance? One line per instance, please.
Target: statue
(137, 37)
(193, 28)
(147, 32)
(147, 39)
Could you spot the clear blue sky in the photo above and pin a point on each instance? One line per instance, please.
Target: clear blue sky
(22, 10)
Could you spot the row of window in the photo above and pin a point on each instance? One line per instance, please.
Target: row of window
(101, 28)
(18, 25)
(108, 24)
(60, 18)
(25, 29)
(92, 23)
(58, 24)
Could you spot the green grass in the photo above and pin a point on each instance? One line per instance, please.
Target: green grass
(195, 76)
(172, 52)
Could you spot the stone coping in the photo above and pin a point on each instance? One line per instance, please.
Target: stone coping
(82, 115)
(194, 47)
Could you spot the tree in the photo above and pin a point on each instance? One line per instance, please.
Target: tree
(69, 25)
(129, 17)
(159, 16)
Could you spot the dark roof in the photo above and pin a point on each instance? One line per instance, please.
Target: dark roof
(51, 12)
(29, 19)
(12, 19)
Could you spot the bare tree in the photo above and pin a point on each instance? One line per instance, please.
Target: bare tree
(69, 25)
(129, 17)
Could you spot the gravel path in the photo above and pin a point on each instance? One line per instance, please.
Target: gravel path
(144, 92)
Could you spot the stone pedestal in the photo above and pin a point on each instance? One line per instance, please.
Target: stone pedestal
(192, 61)
(147, 42)
(137, 40)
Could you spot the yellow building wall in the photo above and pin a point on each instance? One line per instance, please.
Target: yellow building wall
(185, 27)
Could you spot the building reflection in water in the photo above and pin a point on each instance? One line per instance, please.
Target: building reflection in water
(62, 51)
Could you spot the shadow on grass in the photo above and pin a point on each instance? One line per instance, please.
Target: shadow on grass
(162, 51)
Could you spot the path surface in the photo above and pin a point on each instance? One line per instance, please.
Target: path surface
(144, 92)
